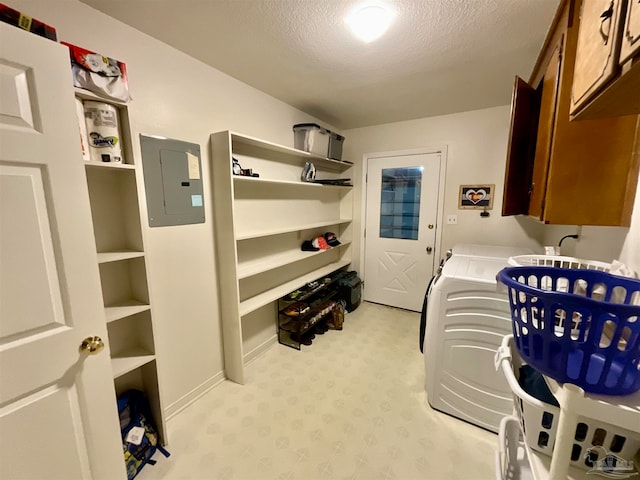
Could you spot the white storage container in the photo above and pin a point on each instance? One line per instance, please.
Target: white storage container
(558, 262)
(312, 138)
(539, 421)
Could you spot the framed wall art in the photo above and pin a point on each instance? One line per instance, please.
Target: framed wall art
(476, 197)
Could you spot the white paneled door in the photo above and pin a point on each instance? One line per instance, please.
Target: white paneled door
(400, 234)
(58, 417)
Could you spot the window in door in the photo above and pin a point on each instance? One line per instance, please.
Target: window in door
(400, 202)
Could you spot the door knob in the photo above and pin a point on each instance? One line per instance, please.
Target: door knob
(92, 345)
(431, 226)
(429, 250)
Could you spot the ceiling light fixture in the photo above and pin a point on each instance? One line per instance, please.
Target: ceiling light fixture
(370, 20)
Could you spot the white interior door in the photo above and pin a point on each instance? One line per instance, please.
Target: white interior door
(400, 231)
(58, 416)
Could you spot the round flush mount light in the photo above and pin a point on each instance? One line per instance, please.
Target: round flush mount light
(369, 21)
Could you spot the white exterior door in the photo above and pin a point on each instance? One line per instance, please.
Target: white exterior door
(400, 231)
(58, 416)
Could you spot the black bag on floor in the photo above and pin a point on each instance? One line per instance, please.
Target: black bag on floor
(350, 289)
(139, 436)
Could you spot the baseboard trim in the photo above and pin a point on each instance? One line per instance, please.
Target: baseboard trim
(260, 349)
(186, 400)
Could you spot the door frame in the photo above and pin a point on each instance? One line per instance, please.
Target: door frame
(442, 150)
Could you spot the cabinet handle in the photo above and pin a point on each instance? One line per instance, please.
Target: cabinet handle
(606, 15)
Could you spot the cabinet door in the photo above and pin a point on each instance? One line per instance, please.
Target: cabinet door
(598, 48)
(548, 102)
(631, 32)
(525, 107)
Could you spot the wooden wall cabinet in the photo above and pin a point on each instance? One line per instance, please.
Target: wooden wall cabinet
(606, 80)
(561, 171)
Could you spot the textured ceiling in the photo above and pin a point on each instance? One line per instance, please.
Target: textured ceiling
(438, 57)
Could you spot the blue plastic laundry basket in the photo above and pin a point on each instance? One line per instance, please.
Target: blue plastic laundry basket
(577, 326)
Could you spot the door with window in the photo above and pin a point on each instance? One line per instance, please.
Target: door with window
(400, 230)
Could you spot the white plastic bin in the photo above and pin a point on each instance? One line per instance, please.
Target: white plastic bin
(558, 262)
(311, 138)
(539, 421)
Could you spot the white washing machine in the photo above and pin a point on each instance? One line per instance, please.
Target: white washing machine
(466, 319)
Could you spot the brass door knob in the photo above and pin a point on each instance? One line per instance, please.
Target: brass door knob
(92, 345)
(429, 250)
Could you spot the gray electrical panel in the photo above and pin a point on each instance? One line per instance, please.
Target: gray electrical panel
(172, 180)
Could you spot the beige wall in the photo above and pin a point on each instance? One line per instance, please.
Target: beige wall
(631, 248)
(177, 97)
(476, 147)
(476, 144)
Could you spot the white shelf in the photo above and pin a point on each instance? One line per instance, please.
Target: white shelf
(115, 212)
(130, 360)
(106, 257)
(292, 152)
(291, 228)
(88, 95)
(253, 303)
(284, 183)
(116, 312)
(259, 225)
(267, 263)
(112, 165)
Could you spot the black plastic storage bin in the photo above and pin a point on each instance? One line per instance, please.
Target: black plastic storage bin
(350, 289)
(335, 146)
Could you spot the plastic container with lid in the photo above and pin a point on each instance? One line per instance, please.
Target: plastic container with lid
(311, 138)
(335, 146)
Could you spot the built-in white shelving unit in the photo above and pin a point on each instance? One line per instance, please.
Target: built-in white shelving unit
(261, 224)
(114, 190)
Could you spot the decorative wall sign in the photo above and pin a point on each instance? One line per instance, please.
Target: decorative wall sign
(477, 197)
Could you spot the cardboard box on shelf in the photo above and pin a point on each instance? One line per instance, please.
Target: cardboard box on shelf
(18, 19)
(104, 76)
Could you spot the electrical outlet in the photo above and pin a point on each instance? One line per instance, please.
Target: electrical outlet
(452, 219)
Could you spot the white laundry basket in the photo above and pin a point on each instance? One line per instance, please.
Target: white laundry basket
(539, 420)
(558, 262)
(512, 460)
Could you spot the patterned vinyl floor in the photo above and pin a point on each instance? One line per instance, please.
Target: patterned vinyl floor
(350, 406)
